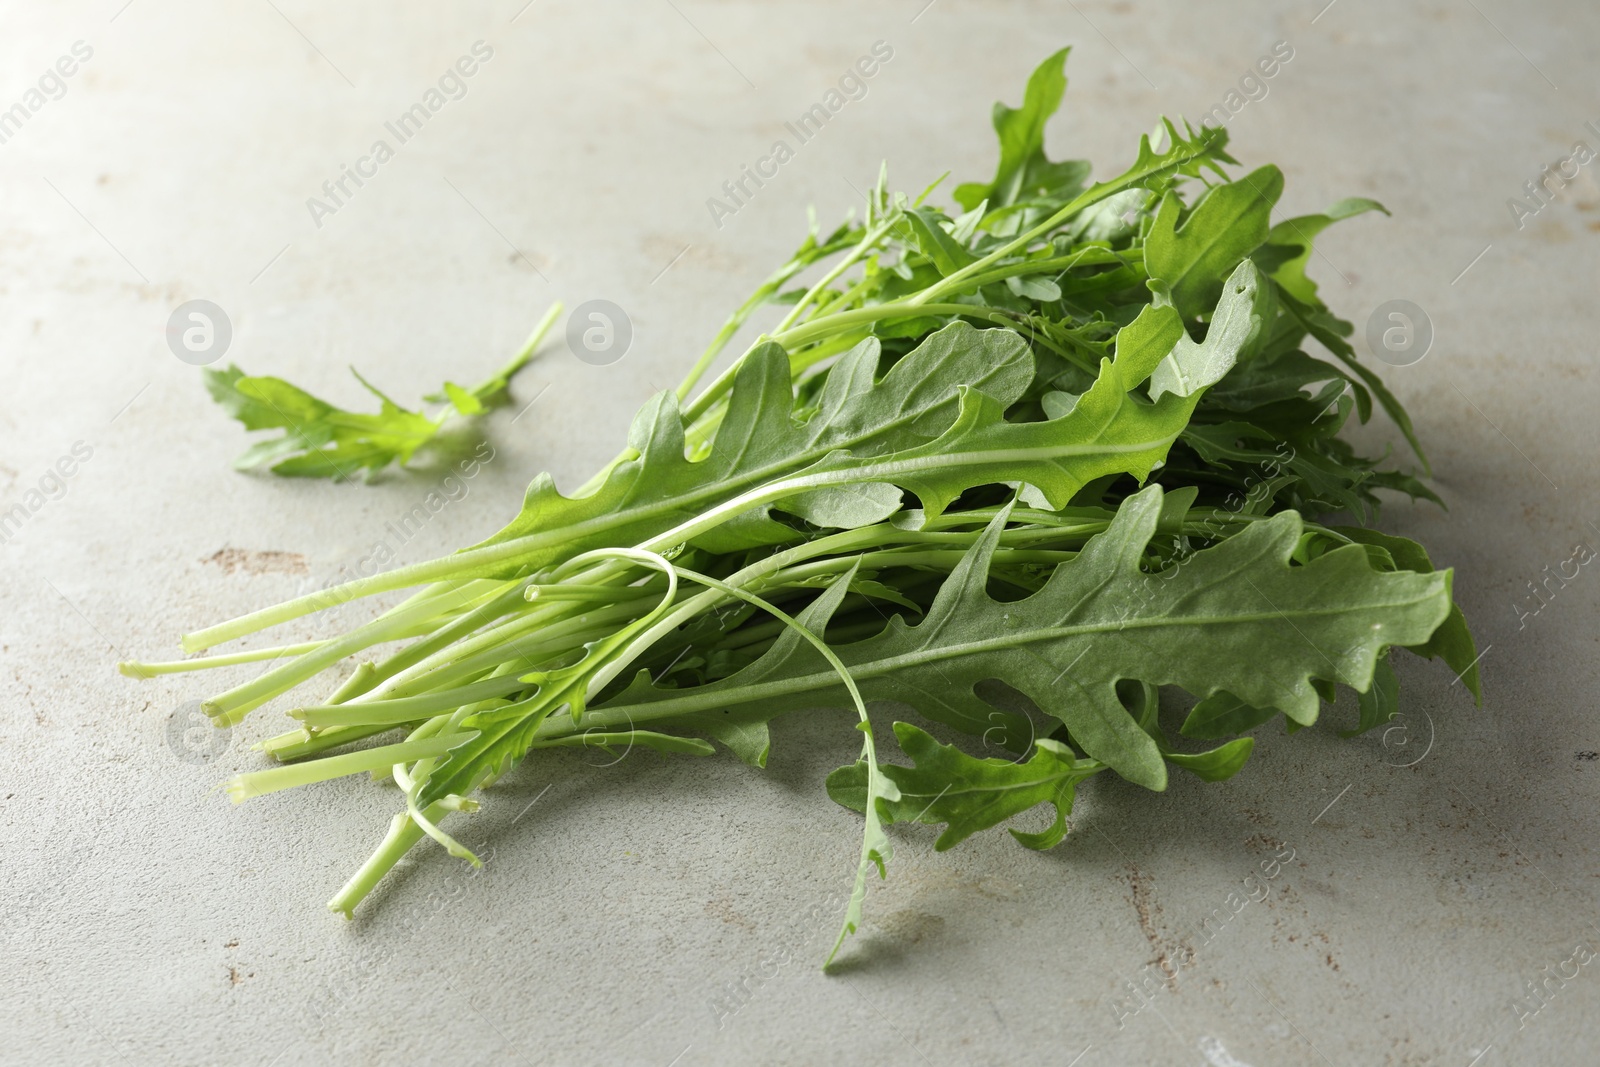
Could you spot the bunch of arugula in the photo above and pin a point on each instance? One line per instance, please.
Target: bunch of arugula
(1066, 437)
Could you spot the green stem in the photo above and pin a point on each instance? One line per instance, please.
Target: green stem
(405, 709)
(140, 669)
(230, 707)
(242, 787)
(402, 835)
(498, 381)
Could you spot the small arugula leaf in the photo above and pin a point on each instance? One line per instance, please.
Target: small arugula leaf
(320, 440)
(878, 591)
(463, 400)
(1113, 218)
(1034, 287)
(1023, 169)
(1194, 366)
(967, 794)
(936, 243)
(1298, 234)
(1380, 702)
(847, 506)
(1223, 715)
(1227, 224)
(1217, 764)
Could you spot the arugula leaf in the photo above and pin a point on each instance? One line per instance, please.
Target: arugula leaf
(1024, 170)
(967, 794)
(1216, 765)
(1235, 617)
(1234, 324)
(759, 442)
(1222, 715)
(1380, 702)
(1452, 641)
(937, 244)
(320, 440)
(1227, 224)
(1299, 233)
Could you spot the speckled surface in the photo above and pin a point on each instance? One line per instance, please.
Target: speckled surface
(660, 913)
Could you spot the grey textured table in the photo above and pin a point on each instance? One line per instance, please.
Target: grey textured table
(655, 913)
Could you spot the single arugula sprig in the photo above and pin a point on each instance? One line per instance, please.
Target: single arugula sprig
(1060, 438)
(320, 440)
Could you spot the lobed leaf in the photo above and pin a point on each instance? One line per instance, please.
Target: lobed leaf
(968, 794)
(1236, 617)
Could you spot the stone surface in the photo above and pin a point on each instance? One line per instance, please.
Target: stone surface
(1437, 871)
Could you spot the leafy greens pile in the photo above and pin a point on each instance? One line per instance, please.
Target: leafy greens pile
(1066, 436)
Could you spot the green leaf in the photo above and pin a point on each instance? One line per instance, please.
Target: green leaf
(1229, 222)
(1331, 332)
(937, 244)
(1235, 617)
(1219, 763)
(319, 439)
(262, 403)
(1109, 219)
(1023, 167)
(1195, 366)
(1381, 701)
(1290, 243)
(1223, 715)
(966, 794)
(464, 402)
(1452, 641)
(1034, 287)
(759, 441)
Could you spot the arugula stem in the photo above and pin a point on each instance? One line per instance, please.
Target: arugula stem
(532, 635)
(761, 296)
(230, 707)
(399, 710)
(498, 380)
(242, 787)
(299, 744)
(868, 242)
(403, 835)
(142, 669)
